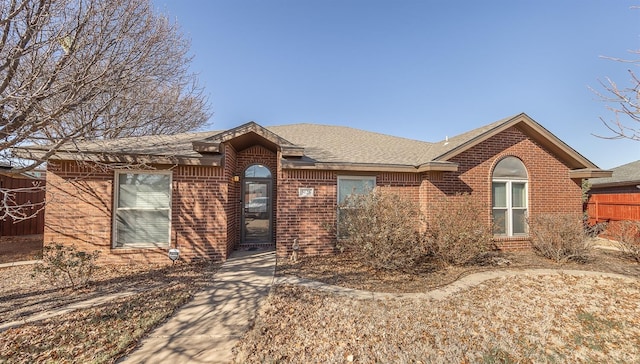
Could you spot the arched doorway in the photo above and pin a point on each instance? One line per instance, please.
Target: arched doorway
(257, 205)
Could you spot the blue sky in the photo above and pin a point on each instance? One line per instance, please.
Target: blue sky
(416, 69)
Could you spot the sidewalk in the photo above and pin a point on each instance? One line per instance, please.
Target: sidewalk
(22, 262)
(206, 329)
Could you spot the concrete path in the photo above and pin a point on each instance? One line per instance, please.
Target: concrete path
(96, 301)
(448, 290)
(206, 329)
(22, 262)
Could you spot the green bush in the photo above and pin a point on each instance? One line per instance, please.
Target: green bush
(382, 230)
(66, 266)
(456, 231)
(560, 237)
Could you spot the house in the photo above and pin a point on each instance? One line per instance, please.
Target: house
(209, 193)
(615, 198)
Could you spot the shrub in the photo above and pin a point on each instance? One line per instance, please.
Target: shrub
(627, 235)
(382, 230)
(65, 265)
(593, 230)
(560, 237)
(456, 232)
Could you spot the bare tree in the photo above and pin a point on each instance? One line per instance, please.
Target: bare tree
(623, 102)
(72, 70)
(89, 69)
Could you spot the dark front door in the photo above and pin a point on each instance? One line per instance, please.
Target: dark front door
(257, 211)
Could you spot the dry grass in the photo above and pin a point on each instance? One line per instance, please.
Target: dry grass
(522, 319)
(99, 334)
(96, 335)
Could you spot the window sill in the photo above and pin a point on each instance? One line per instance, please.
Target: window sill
(130, 249)
(511, 238)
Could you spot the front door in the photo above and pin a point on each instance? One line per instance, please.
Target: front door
(257, 209)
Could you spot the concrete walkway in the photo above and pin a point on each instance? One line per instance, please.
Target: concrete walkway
(93, 302)
(206, 329)
(447, 290)
(22, 262)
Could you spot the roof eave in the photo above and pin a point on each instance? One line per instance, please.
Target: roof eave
(370, 167)
(586, 173)
(615, 184)
(202, 146)
(208, 160)
(437, 166)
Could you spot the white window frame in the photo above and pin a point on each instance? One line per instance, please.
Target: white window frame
(509, 204)
(116, 208)
(338, 202)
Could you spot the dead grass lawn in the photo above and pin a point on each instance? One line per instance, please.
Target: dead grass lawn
(99, 334)
(522, 319)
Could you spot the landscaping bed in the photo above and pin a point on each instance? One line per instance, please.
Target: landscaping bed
(346, 271)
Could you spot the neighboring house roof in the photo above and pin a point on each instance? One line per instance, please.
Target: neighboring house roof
(624, 175)
(320, 146)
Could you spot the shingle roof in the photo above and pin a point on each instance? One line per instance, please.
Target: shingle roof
(324, 144)
(627, 173)
(457, 141)
(161, 145)
(341, 144)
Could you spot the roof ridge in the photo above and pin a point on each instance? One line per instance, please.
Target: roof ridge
(351, 128)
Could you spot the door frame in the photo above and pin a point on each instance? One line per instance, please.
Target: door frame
(243, 217)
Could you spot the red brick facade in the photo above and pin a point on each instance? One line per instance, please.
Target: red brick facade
(207, 207)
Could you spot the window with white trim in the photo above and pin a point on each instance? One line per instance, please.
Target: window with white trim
(352, 185)
(509, 198)
(142, 209)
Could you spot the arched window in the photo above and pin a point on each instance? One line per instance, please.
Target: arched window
(257, 171)
(509, 197)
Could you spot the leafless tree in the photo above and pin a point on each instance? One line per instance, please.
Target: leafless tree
(83, 69)
(623, 101)
(72, 70)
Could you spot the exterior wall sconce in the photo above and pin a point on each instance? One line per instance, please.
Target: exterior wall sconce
(235, 178)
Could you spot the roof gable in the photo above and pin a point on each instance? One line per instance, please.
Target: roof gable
(456, 145)
(244, 136)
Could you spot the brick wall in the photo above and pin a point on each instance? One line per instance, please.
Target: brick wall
(312, 220)
(232, 206)
(309, 219)
(80, 204)
(199, 221)
(550, 189)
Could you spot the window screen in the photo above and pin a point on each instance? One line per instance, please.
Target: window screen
(143, 209)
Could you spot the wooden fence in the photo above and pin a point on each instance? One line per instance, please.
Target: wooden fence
(32, 226)
(608, 207)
